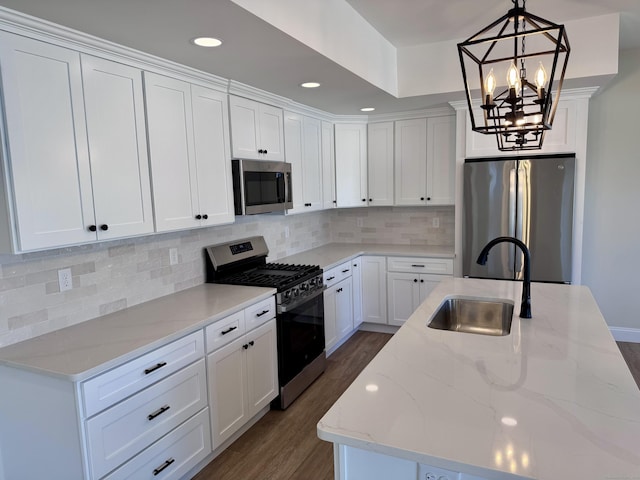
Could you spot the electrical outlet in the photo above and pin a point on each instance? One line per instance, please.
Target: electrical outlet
(436, 222)
(173, 256)
(360, 222)
(64, 279)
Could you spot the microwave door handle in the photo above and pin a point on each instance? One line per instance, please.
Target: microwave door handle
(287, 179)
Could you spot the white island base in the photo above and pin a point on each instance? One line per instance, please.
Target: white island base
(553, 400)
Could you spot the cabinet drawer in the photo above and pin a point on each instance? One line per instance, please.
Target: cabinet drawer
(438, 266)
(257, 314)
(172, 456)
(119, 433)
(115, 385)
(337, 274)
(225, 331)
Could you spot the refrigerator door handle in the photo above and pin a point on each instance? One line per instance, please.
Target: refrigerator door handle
(522, 213)
(513, 185)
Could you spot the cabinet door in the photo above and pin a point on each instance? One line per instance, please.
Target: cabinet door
(293, 139)
(312, 169)
(330, 327)
(226, 374)
(212, 156)
(117, 140)
(271, 133)
(351, 165)
(328, 167)
(427, 284)
(47, 143)
(262, 367)
(380, 163)
(170, 126)
(344, 307)
(245, 126)
(411, 162)
(403, 296)
(374, 289)
(441, 160)
(356, 275)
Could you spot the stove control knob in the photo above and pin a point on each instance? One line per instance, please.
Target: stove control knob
(304, 287)
(287, 295)
(295, 292)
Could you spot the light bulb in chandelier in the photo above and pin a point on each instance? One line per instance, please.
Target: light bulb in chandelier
(513, 77)
(489, 87)
(541, 80)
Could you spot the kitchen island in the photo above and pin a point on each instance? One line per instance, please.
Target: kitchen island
(552, 400)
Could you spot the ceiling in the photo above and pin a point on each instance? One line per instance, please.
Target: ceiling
(257, 54)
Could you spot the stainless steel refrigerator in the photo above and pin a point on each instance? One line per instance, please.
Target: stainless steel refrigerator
(530, 198)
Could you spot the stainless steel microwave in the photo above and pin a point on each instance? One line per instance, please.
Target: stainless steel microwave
(261, 186)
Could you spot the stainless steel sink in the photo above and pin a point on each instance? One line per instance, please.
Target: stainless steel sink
(472, 315)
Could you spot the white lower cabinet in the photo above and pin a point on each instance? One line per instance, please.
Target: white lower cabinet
(356, 275)
(408, 286)
(243, 379)
(374, 289)
(338, 312)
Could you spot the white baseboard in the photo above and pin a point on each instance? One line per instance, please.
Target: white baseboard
(624, 334)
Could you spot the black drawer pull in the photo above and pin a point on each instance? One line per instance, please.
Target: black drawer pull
(345, 271)
(339, 290)
(421, 281)
(330, 278)
(415, 280)
(147, 371)
(163, 466)
(418, 266)
(160, 411)
(251, 343)
(264, 312)
(228, 330)
(245, 346)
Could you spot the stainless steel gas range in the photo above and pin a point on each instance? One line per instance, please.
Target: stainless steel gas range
(299, 308)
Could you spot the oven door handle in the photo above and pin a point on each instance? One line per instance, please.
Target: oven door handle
(288, 308)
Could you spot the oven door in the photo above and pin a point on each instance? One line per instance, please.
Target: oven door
(300, 335)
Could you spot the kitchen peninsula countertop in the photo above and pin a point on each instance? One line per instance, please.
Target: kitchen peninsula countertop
(83, 350)
(332, 254)
(440, 398)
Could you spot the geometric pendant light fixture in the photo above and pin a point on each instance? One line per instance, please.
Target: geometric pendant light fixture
(517, 64)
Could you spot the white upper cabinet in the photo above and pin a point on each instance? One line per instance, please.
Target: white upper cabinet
(560, 139)
(328, 166)
(302, 137)
(425, 161)
(190, 160)
(351, 165)
(78, 162)
(380, 163)
(256, 130)
(114, 104)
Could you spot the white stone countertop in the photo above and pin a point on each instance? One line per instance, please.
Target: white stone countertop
(88, 348)
(440, 396)
(333, 254)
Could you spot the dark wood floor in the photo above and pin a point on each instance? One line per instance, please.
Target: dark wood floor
(284, 445)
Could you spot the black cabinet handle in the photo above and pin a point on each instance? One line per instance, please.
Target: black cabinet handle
(421, 281)
(335, 201)
(228, 330)
(421, 198)
(415, 280)
(330, 278)
(104, 227)
(345, 271)
(428, 198)
(245, 346)
(147, 371)
(158, 412)
(355, 264)
(417, 266)
(198, 217)
(339, 290)
(260, 151)
(251, 343)
(371, 199)
(265, 151)
(205, 216)
(92, 228)
(364, 199)
(264, 312)
(163, 466)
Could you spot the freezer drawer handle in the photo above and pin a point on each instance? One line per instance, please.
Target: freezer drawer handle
(158, 412)
(163, 466)
(147, 371)
(228, 330)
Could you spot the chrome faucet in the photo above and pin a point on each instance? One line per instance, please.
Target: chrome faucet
(525, 305)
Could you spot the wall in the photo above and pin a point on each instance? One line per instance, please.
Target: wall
(114, 275)
(611, 227)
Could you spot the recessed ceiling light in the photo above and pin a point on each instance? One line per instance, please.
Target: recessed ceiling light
(310, 84)
(509, 421)
(367, 109)
(206, 42)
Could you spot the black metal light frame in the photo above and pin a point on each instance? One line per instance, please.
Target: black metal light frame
(535, 111)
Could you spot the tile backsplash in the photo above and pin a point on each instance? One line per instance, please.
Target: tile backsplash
(110, 276)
